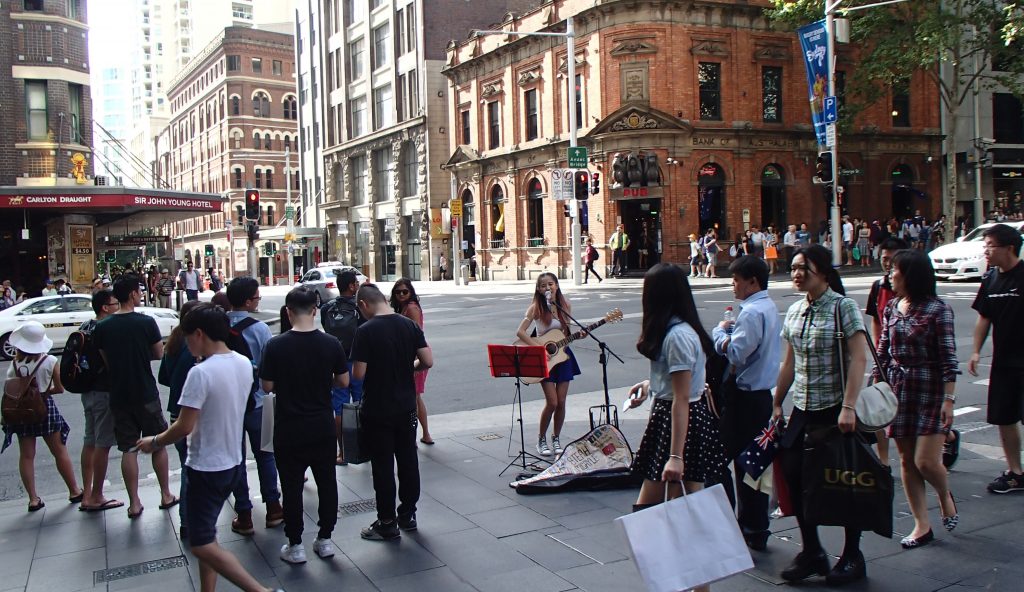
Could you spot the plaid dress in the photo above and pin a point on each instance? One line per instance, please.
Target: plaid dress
(917, 353)
(54, 420)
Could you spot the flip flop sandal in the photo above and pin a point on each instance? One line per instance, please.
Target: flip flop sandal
(76, 499)
(170, 504)
(107, 505)
(134, 515)
(430, 443)
(37, 507)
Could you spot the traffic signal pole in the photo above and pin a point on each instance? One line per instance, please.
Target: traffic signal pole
(836, 221)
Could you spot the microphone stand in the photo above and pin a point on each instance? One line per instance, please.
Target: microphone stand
(603, 359)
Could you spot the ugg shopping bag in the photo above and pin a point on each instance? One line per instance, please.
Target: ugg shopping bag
(691, 540)
(267, 427)
(352, 434)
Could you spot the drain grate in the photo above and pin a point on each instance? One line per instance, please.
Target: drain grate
(486, 437)
(137, 569)
(357, 507)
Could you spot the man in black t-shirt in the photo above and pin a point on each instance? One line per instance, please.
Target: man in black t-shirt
(300, 367)
(129, 341)
(1000, 307)
(388, 348)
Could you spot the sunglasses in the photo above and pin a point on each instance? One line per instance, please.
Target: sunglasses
(402, 292)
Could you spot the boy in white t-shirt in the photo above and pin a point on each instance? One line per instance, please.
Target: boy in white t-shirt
(212, 408)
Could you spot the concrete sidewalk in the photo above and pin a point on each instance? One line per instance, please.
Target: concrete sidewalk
(477, 534)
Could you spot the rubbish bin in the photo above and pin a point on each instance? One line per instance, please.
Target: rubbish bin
(464, 273)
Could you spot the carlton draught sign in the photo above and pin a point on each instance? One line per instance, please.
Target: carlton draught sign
(126, 201)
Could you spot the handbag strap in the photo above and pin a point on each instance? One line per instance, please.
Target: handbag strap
(841, 335)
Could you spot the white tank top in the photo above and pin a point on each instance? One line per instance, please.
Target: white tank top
(43, 376)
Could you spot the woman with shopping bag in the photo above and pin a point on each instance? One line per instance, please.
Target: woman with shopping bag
(810, 371)
(917, 356)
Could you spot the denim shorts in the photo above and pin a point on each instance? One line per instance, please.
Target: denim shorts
(205, 497)
(353, 393)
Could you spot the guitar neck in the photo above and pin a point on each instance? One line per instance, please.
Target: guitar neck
(579, 334)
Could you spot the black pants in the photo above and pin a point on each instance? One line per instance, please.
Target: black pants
(389, 440)
(292, 462)
(746, 413)
(792, 460)
(619, 262)
(590, 270)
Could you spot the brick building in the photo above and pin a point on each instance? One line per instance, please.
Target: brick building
(234, 112)
(707, 88)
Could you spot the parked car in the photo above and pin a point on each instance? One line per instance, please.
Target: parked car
(323, 279)
(965, 258)
(63, 315)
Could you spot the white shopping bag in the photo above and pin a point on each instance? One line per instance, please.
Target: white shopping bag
(267, 428)
(686, 542)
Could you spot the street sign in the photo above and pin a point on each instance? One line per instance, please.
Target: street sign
(577, 157)
(455, 206)
(850, 172)
(830, 135)
(390, 223)
(289, 212)
(831, 110)
(561, 184)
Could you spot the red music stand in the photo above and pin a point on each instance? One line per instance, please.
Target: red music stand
(518, 361)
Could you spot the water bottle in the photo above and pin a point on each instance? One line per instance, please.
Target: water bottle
(728, 318)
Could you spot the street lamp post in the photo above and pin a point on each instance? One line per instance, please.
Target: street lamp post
(570, 45)
(289, 215)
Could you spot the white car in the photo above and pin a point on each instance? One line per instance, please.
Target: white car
(323, 279)
(62, 316)
(965, 259)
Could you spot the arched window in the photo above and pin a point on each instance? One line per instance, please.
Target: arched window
(773, 197)
(291, 108)
(261, 105)
(238, 139)
(236, 106)
(711, 198)
(497, 217)
(259, 179)
(256, 141)
(266, 142)
(903, 192)
(287, 142)
(535, 213)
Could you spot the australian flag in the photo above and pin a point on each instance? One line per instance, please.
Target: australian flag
(758, 456)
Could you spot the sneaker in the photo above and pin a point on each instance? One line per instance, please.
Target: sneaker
(951, 450)
(324, 548)
(275, 514)
(556, 445)
(1007, 483)
(542, 447)
(407, 523)
(294, 554)
(242, 524)
(381, 531)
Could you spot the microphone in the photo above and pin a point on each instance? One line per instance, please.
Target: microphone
(547, 296)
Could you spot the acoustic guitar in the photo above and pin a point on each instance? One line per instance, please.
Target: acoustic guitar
(555, 341)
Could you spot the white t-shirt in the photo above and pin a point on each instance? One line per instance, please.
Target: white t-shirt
(847, 232)
(219, 388)
(43, 377)
(190, 279)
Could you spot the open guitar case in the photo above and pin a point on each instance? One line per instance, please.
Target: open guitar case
(598, 461)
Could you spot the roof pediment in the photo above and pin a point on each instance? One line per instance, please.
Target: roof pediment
(462, 155)
(633, 117)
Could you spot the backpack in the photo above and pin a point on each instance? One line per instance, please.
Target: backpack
(237, 343)
(340, 318)
(22, 403)
(80, 363)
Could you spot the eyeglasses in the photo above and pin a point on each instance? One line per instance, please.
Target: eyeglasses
(114, 303)
(993, 247)
(256, 298)
(402, 292)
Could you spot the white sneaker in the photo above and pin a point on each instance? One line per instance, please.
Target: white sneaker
(324, 548)
(294, 554)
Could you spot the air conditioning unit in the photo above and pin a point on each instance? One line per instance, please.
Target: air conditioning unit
(100, 180)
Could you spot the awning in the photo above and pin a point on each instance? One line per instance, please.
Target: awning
(145, 207)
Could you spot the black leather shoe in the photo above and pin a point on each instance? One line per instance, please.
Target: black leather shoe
(847, 570)
(757, 542)
(806, 565)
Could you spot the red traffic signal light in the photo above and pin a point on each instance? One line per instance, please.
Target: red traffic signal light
(595, 183)
(252, 204)
(581, 185)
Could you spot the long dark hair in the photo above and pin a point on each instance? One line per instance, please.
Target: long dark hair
(540, 302)
(667, 294)
(407, 284)
(918, 274)
(820, 258)
(176, 340)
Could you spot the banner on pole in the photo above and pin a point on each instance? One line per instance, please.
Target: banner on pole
(814, 42)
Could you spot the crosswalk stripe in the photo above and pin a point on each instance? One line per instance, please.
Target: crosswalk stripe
(965, 411)
(982, 382)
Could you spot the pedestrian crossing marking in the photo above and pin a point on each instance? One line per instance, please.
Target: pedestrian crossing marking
(982, 382)
(965, 411)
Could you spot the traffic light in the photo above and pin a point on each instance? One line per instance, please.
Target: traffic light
(208, 249)
(595, 183)
(566, 211)
(253, 232)
(823, 169)
(826, 194)
(110, 256)
(581, 187)
(252, 204)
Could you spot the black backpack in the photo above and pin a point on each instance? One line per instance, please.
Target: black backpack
(237, 343)
(80, 363)
(340, 318)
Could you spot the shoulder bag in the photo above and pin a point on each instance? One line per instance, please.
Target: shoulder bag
(876, 404)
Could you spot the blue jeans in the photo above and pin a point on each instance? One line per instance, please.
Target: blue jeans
(265, 465)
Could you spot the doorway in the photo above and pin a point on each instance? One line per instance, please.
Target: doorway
(711, 199)
(902, 192)
(642, 221)
(773, 197)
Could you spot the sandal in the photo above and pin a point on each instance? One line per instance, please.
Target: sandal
(110, 504)
(950, 522)
(427, 442)
(134, 515)
(77, 499)
(36, 507)
(170, 504)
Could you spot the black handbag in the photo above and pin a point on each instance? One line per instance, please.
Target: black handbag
(845, 484)
(355, 452)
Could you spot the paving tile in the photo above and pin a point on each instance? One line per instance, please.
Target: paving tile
(475, 554)
(465, 496)
(335, 573)
(942, 560)
(434, 517)
(441, 578)
(604, 543)
(68, 572)
(382, 559)
(620, 576)
(60, 511)
(21, 520)
(534, 579)
(546, 551)
(119, 556)
(69, 537)
(601, 515)
(507, 521)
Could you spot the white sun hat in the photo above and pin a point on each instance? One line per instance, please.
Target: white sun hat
(31, 338)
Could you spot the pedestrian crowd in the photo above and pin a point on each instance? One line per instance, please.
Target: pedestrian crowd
(231, 382)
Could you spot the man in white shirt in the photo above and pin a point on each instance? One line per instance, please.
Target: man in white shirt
(789, 245)
(848, 239)
(188, 280)
(212, 407)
